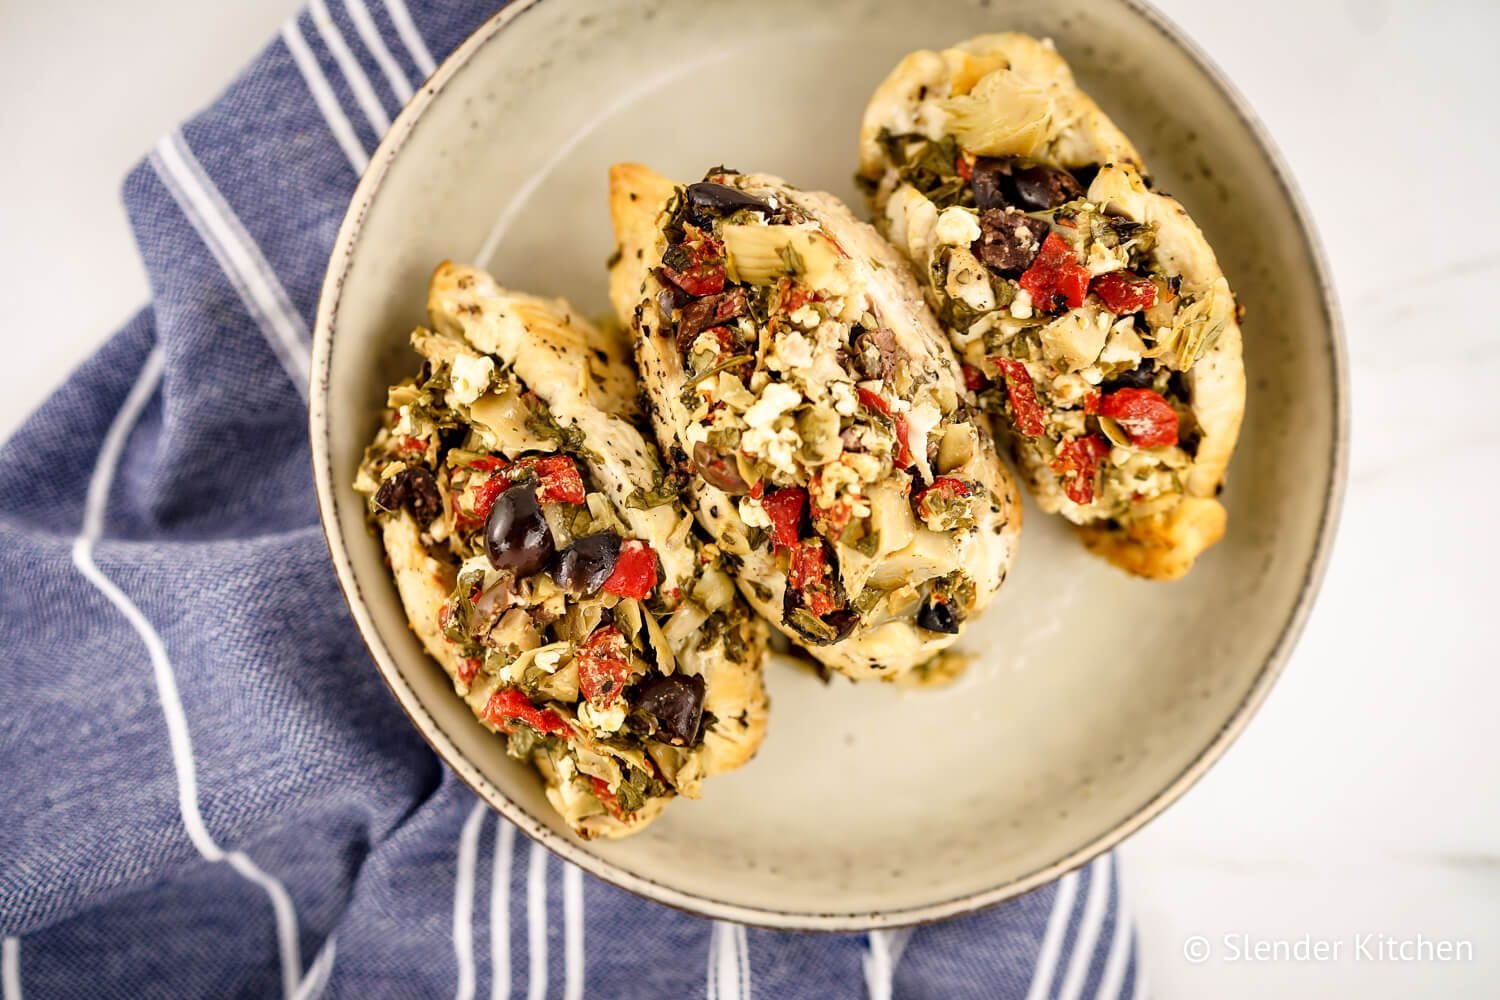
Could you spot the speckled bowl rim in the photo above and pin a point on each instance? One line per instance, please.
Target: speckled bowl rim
(330, 487)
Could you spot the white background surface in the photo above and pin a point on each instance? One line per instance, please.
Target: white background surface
(1365, 799)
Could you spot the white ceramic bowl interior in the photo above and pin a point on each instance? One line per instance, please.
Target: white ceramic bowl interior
(1095, 699)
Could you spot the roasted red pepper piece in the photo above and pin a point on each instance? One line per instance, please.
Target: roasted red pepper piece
(704, 270)
(731, 305)
(831, 521)
(468, 667)
(904, 459)
(487, 479)
(791, 296)
(1144, 414)
(873, 399)
(974, 379)
(1123, 292)
(1027, 413)
(508, 706)
(943, 487)
(486, 463)
(1077, 462)
(557, 478)
(1055, 277)
(601, 790)
(603, 661)
(784, 507)
(635, 571)
(964, 167)
(809, 574)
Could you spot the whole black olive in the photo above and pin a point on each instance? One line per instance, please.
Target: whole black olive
(842, 622)
(832, 627)
(1039, 187)
(670, 298)
(582, 567)
(1009, 240)
(1177, 386)
(694, 318)
(413, 488)
(1142, 376)
(676, 702)
(991, 176)
(1085, 175)
(719, 470)
(721, 199)
(516, 535)
(937, 616)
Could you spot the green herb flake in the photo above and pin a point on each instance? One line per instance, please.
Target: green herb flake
(456, 624)
(811, 627)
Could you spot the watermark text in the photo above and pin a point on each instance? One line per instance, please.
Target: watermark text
(1239, 946)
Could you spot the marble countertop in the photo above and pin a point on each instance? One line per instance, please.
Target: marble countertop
(1361, 808)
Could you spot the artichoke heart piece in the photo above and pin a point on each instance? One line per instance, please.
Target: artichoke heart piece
(968, 282)
(890, 517)
(930, 554)
(763, 254)
(1003, 115)
(972, 67)
(506, 418)
(1197, 326)
(1073, 341)
(818, 427)
(1116, 434)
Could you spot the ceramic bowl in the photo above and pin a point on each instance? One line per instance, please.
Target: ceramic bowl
(1095, 699)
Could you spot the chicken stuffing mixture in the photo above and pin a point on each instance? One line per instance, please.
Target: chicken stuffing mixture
(1071, 322)
(556, 614)
(837, 447)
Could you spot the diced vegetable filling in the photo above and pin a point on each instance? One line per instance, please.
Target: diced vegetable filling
(1071, 325)
(555, 615)
(804, 409)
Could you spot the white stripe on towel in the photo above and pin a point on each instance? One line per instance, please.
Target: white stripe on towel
(1112, 978)
(324, 97)
(881, 960)
(354, 74)
(178, 738)
(316, 980)
(727, 970)
(742, 942)
(237, 255)
(573, 961)
(505, 848)
(536, 923)
(1095, 907)
(415, 47)
(364, 24)
(10, 969)
(1052, 939)
(463, 901)
(711, 989)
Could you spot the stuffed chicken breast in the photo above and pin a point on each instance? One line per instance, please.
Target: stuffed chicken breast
(819, 415)
(1089, 309)
(545, 562)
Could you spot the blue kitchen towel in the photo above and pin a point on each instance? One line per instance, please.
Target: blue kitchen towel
(207, 790)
